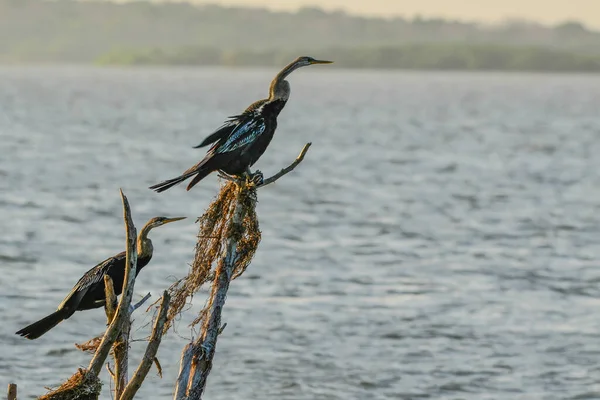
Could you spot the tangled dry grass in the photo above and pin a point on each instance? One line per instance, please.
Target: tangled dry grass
(216, 227)
(83, 385)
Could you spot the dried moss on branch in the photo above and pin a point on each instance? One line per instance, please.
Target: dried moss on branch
(215, 228)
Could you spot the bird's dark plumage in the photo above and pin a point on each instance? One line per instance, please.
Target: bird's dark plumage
(242, 140)
(88, 292)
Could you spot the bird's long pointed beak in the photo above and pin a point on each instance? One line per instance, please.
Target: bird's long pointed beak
(169, 220)
(321, 62)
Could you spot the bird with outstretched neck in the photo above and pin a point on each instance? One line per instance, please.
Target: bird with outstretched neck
(89, 292)
(240, 142)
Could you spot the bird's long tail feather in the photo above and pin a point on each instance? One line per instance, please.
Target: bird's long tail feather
(169, 183)
(199, 172)
(199, 176)
(42, 326)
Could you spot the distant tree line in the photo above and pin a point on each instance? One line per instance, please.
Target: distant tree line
(445, 56)
(84, 31)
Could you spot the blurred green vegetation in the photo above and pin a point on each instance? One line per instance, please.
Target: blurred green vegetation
(416, 56)
(142, 32)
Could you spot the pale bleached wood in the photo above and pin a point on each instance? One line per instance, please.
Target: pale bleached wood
(122, 313)
(151, 349)
(12, 391)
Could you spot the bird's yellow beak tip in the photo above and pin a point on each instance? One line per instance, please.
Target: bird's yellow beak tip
(174, 219)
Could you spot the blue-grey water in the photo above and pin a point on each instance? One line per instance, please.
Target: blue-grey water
(441, 239)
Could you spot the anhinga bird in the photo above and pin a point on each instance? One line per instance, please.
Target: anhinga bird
(88, 293)
(240, 142)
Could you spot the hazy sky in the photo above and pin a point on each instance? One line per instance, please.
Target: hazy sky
(547, 11)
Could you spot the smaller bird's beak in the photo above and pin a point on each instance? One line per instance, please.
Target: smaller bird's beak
(321, 62)
(168, 220)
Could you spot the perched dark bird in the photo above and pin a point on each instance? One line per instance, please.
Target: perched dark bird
(240, 142)
(88, 293)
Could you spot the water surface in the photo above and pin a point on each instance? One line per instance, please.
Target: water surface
(439, 241)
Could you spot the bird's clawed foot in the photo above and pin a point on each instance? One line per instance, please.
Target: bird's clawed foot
(257, 178)
(227, 177)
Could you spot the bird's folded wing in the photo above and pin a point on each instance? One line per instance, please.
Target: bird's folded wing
(91, 278)
(221, 133)
(243, 134)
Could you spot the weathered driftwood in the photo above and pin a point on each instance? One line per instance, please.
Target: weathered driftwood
(121, 345)
(122, 313)
(12, 391)
(197, 357)
(185, 365)
(151, 349)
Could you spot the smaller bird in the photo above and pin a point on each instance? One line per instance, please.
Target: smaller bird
(88, 293)
(240, 142)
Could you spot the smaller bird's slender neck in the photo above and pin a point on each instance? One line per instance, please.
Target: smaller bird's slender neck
(144, 244)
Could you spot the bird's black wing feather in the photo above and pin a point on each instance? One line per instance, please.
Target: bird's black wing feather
(245, 132)
(232, 124)
(91, 278)
(221, 133)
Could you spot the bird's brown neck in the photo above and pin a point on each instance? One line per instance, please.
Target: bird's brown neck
(280, 88)
(144, 244)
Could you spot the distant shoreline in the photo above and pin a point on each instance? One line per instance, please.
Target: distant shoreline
(414, 57)
(179, 33)
(60, 65)
(66, 66)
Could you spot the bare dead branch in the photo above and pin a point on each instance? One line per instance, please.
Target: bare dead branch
(111, 299)
(141, 302)
(288, 169)
(121, 352)
(92, 345)
(185, 366)
(158, 367)
(110, 371)
(121, 356)
(12, 391)
(122, 312)
(142, 370)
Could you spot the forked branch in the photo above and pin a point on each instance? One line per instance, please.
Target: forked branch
(288, 169)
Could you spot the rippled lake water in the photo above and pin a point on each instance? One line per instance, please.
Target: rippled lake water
(441, 239)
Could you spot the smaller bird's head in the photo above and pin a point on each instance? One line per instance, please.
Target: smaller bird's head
(144, 243)
(305, 60)
(159, 221)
